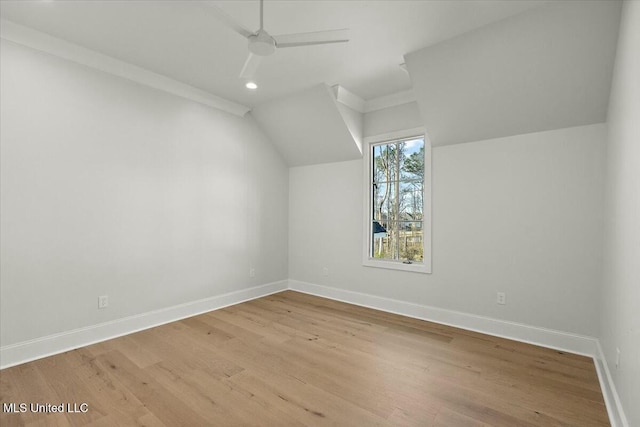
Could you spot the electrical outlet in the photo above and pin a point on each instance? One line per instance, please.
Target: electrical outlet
(252, 272)
(502, 298)
(103, 301)
(617, 357)
(325, 271)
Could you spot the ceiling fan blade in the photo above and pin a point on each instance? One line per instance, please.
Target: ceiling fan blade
(317, 37)
(250, 66)
(227, 20)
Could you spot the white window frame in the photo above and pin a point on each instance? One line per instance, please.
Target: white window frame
(367, 260)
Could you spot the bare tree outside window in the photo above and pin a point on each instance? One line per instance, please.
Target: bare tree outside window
(397, 187)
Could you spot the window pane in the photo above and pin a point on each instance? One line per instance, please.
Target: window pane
(410, 241)
(413, 160)
(385, 163)
(411, 201)
(377, 160)
(385, 244)
(380, 163)
(384, 199)
(378, 197)
(380, 240)
(398, 240)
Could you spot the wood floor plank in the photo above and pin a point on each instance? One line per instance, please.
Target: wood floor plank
(160, 401)
(308, 404)
(292, 359)
(446, 417)
(116, 401)
(210, 402)
(25, 384)
(67, 385)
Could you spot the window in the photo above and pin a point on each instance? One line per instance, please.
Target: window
(398, 181)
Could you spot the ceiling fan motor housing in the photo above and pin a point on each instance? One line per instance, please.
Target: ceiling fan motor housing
(262, 44)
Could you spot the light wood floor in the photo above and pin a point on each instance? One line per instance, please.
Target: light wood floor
(292, 359)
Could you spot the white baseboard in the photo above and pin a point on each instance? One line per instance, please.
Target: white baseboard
(617, 416)
(550, 338)
(573, 343)
(38, 348)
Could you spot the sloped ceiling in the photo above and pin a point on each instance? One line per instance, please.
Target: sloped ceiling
(545, 65)
(307, 127)
(547, 68)
(184, 41)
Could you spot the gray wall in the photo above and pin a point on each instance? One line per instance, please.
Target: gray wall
(621, 285)
(112, 188)
(520, 214)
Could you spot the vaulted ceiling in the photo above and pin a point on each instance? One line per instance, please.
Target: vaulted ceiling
(185, 41)
(474, 69)
(548, 68)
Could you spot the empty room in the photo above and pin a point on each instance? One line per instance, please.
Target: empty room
(320, 213)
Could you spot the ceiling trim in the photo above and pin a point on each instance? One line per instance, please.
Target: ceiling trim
(349, 99)
(388, 101)
(354, 102)
(34, 39)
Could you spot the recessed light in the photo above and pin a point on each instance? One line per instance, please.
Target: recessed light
(251, 85)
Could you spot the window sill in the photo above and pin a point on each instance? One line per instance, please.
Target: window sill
(397, 265)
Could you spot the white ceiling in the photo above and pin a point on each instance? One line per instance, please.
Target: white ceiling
(549, 68)
(183, 39)
(307, 128)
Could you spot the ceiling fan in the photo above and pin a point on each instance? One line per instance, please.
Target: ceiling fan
(263, 44)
